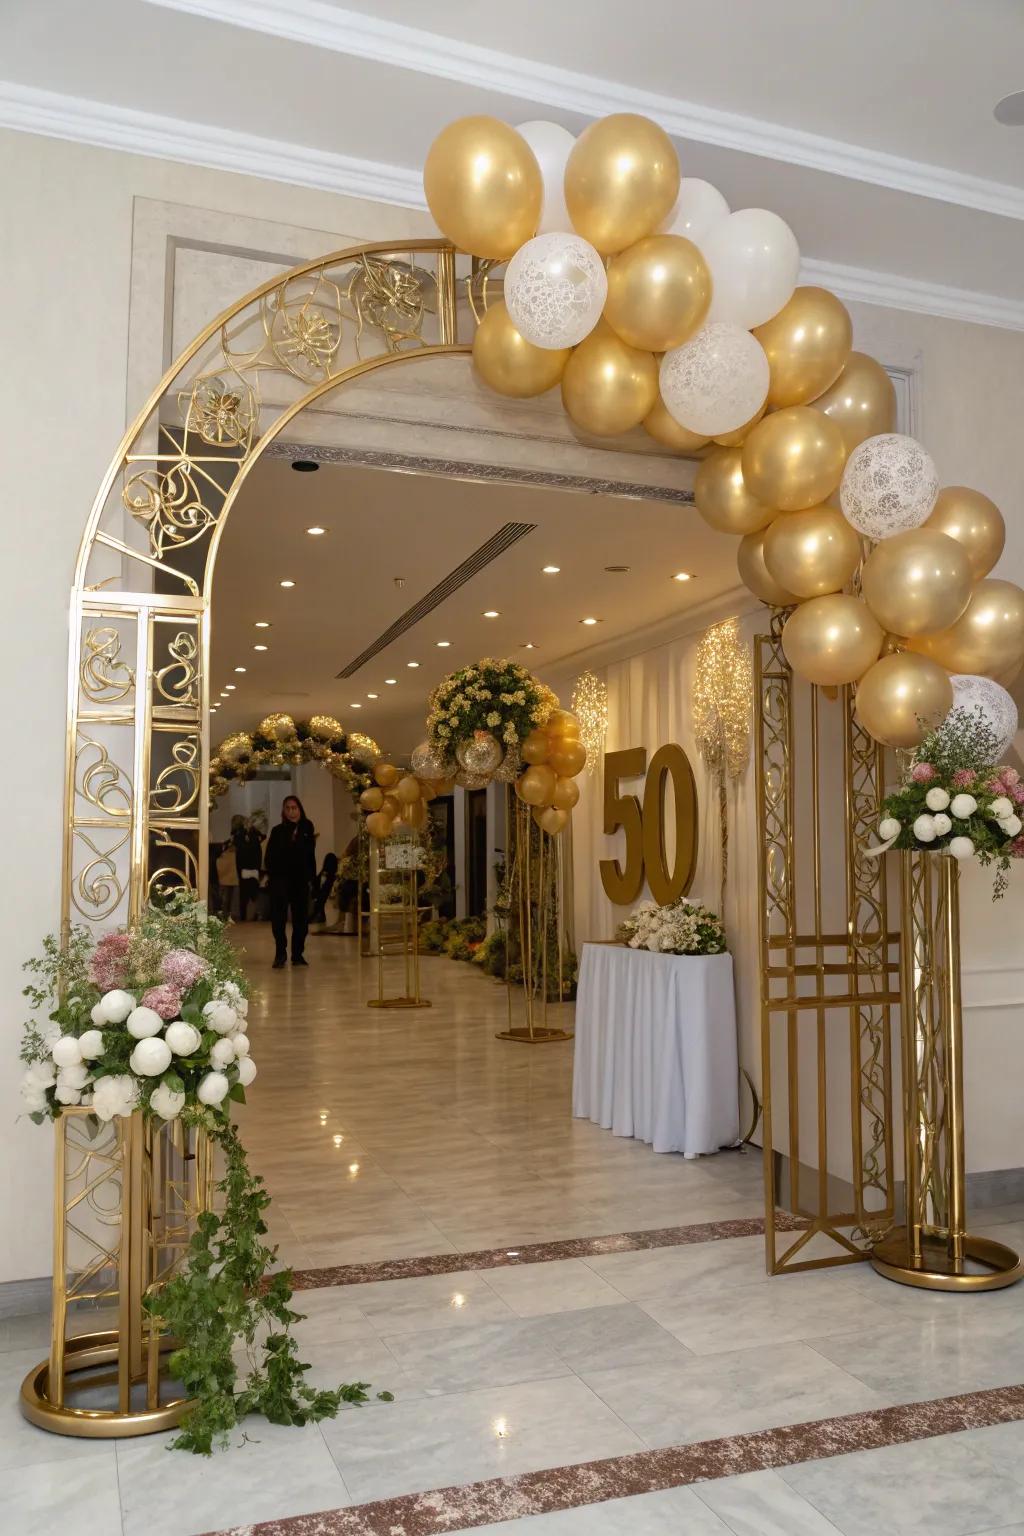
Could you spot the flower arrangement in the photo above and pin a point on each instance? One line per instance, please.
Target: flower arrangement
(152, 1019)
(681, 928)
(957, 800)
(499, 697)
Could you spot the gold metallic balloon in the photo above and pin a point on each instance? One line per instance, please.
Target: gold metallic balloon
(551, 819)
(917, 582)
(902, 697)
(567, 794)
(386, 774)
(812, 553)
(832, 640)
(510, 364)
(535, 747)
(658, 292)
(609, 387)
(414, 814)
(988, 637)
(483, 186)
(793, 458)
(738, 436)
(722, 498)
(807, 344)
(862, 401)
(756, 575)
(371, 799)
(562, 722)
(974, 521)
(392, 806)
(567, 757)
(667, 431)
(621, 180)
(537, 785)
(378, 824)
(407, 791)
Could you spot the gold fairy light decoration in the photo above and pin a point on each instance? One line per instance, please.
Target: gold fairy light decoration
(721, 700)
(590, 704)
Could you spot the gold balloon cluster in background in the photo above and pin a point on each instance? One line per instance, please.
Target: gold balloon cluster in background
(554, 756)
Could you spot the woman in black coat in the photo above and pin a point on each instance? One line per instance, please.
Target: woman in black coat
(290, 866)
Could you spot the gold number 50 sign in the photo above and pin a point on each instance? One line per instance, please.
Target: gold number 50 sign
(643, 822)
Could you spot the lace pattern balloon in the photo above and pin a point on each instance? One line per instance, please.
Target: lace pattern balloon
(715, 382)
(980, 694)
(889, 485)
(481, 754)
(555, 288)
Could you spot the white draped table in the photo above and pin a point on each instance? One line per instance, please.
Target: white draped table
(656, 1054)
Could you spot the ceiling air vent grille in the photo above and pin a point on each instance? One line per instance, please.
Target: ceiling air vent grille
(506, 536)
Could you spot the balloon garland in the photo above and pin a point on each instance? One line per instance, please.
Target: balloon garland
(278, 739)
(650, 302)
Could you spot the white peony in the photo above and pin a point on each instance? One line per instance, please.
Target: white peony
(150, 1057)
(73, 1077)
(222, 1053)
(91, 1044)
(116, 1006)
(888, 827)
(167, 1104)
(183, 1039)
(98, 1015)
(1011, 824)
(66, 1051)
(213, 1088)
(942, 824)
(960, 847)
(221, 1017)
(963, 806)
(115, 1096)
(229, 992)
(65, 1094)
(937, 799)
(241, 1044)
(34, 1084)
(1001, 807)
(144, 1022)
(924, 828)
(246, 1070)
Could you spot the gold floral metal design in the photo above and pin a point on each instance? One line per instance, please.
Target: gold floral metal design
(178, 681)
(391, 297)
(104, 677)
(169, 504)
(177, 784)
(222, 414)
(98, 888)
(101, 782)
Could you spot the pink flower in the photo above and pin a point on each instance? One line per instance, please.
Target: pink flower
(922, 773)
(963, 778)
(164, 1000)
(1017, 793)
(182, 968)
(1010, 776)
(108, 968)
(995, 786)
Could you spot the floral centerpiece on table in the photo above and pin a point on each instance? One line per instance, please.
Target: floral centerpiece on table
(957, 800)
(152, 1019)
(681, 928)
(500, 699)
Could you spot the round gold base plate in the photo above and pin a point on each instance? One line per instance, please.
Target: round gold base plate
(399, 1002)
(938, 1271)
(84, 1354)
(535, 1036)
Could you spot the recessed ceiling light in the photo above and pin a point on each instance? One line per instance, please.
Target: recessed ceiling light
(316, 531)
(373, 695)
(259, 647)
(305, 466)
(287, 583)
(239, 669)
(225, 695)
(528, 645)
(444, 644)
(590, 621)
(412, 663)
(355, 706)
(683, 576)
(492, 613)
(391, 681)
(551, 570)
(230, 687)
(262, 624)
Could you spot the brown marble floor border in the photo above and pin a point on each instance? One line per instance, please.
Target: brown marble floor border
(500, 1499)
(539, 1253)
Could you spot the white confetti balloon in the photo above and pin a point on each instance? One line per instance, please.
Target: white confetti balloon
(889, 485)
(698, 208)
(551, 144)
(715, 381)
(754, 261)
(555, 288)
(973, 694)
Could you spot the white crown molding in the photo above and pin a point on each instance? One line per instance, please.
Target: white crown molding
(30, 110)
(363, 36)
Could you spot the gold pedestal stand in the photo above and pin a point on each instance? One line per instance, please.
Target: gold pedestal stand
(933, 1250)
(126, 1198)
(406, 941)
(537, 897)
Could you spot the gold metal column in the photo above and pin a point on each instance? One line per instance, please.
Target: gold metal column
(933, 1249)
(406, 943)
(534, 891)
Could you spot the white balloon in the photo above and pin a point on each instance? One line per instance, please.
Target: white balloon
(980, 694)
(715, 381)
(555, 288)
(698, 208)
(889, 485)
(754, 262)
(551, 144)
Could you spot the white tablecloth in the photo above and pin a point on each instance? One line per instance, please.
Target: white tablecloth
(655, 1053)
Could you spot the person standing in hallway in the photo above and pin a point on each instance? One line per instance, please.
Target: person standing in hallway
(290, 866)
(248, 856)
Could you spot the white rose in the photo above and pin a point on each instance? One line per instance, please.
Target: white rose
(66, 1051)
(222, 1053)
(114, 1096)
(183, 1039)
(888, 827)
(924, 829)
(213, 1088)
(41, 1074)
(963, 806)
(241, 1044)
(167, 1104)
(65, 1094)
(150, 1057)
(73, 1077)
(246, 1070)
(91, 1044)
(1011, 824)
(116, 1006)
(98, 1015)
(221, 1017)
(1001, 807)
(144, 1022)
(942, 824)
(34, 1084)
(936, 799)
(960, 847)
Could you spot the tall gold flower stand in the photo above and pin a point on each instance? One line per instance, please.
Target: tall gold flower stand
(403, 939)
(126, 1198)
(933, 1249)
(536, 901)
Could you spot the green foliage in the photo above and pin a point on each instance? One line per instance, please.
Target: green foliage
(490, 955)
(432, 936)
(224, 1296)
(500, 697)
